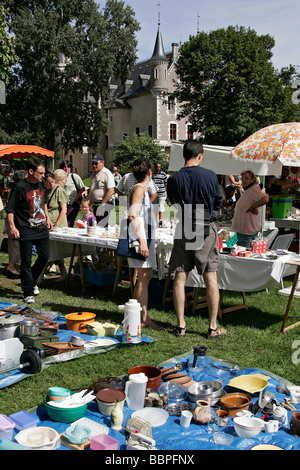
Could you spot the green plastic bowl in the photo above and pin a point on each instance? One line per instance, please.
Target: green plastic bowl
(64, 415)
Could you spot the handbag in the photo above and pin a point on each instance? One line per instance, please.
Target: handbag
(124, 249)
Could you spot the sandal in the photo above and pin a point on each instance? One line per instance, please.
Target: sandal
(216, 333)
(179, 332)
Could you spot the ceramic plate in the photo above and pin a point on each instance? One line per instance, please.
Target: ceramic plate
(154, 416)
(100, 342)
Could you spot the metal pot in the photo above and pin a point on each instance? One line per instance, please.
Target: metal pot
(78, 341)
(10, 326)
(30, 327)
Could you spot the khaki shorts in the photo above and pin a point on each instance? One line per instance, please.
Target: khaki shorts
(206, 259)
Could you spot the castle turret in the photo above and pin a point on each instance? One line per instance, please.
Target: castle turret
(159, 65)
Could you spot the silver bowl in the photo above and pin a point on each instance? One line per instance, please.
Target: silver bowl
(195, 391)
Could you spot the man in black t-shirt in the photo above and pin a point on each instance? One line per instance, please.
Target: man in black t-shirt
(29, 222)
(196, 193)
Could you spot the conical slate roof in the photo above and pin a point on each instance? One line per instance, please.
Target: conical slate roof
(159, 52)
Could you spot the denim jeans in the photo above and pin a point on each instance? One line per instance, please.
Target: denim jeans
(28, 274)
(245, 240)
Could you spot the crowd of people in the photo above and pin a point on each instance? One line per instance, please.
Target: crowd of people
(41, 201)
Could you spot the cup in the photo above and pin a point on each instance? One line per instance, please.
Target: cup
(185, 419)
(221, 418)
(272, 425)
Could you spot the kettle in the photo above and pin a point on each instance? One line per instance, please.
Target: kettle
(132, 321)
(280, 414)
(135, 390)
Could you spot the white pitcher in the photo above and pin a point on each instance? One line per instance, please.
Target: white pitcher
(132, 321)
(135, 390)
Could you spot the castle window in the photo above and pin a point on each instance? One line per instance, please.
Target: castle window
(173, 131)
(156, 73)
(171, 105)
(150, 131)
(190, 132)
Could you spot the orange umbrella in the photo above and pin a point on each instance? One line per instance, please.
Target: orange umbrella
(277, 143)
(19, 151)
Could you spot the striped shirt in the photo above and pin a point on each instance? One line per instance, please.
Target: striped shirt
(160, 179)
(129, 180)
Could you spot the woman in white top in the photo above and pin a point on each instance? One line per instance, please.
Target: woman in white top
(140, 217)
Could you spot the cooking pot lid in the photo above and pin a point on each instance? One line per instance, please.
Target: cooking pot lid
(80, 316)
(10, 319)
(110, 395)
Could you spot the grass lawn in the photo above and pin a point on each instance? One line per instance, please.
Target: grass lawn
(253, 339)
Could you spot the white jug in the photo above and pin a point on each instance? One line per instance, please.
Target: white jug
(135, 390)
(132, 321)
(280, 414)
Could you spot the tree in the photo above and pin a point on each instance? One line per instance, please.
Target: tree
(137, 146)
(8, 57)
(68, 51)
(228, 86)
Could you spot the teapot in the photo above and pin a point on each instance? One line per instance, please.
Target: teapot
(202, 412)
(280, 414)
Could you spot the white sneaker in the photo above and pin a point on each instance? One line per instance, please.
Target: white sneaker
(36, 290)
(29, 299)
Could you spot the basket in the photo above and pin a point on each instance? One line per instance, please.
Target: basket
(51, 349)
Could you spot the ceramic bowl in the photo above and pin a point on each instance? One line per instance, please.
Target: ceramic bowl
(153, 374)
(247, 427)
(235, 402)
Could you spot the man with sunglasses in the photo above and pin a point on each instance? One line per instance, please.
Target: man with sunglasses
(29, 223)
(101, 189)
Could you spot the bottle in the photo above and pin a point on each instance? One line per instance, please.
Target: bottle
(199, 362)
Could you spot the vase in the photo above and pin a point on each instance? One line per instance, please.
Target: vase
(202, 412)
(117, 416)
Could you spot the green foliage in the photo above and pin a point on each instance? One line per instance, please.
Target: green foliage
(8, 57)
(68, 51)
(228, 86)
(137, 146)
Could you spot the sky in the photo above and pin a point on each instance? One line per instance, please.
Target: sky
(180, 18)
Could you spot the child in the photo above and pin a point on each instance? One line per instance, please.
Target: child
(88, 215)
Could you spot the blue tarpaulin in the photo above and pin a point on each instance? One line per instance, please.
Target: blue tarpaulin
(171, 436)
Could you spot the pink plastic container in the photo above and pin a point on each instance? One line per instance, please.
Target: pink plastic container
(6, 428)
(104, 442)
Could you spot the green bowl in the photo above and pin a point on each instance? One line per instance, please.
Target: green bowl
(64, 415)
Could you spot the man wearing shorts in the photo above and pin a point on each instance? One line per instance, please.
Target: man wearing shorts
(196, 193)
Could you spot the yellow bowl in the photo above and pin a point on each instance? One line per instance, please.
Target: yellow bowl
(250, 383)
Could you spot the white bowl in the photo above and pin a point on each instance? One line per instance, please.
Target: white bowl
(247, 427)
(39, 438)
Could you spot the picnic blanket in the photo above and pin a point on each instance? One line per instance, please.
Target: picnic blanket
(64, 335)
(170, 436)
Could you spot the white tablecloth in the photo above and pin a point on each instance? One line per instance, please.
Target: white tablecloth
(246, 274)
(235, 273)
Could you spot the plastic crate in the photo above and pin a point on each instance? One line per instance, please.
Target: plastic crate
(96, 277)
(280, 207)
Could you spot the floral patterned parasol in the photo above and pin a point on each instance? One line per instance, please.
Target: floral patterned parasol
(277, 142)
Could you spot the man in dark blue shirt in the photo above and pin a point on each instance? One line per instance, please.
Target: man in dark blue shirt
(196, 193)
